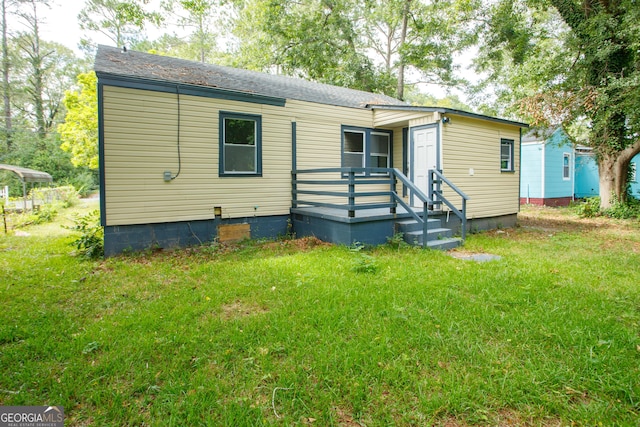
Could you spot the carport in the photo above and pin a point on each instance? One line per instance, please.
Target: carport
(27, 175)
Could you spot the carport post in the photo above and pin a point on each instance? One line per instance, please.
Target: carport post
(24, 195)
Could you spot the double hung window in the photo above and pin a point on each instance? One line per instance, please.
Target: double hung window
(366, 148)
(506, 155)
(566, 166)
(240, 144)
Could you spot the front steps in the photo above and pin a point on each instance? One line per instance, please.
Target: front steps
(437, 237)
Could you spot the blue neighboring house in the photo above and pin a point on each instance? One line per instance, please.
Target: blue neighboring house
(554, 172)
(587, 183)
(547, 168)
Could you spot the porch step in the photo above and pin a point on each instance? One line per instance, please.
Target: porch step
(438, 237)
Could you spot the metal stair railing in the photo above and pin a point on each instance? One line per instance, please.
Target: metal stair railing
(436, 178)
(351, 177)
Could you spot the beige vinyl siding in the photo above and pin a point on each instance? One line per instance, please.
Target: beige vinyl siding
(140, 143)
(475, 144)
(319, 145)
(397, 148)
(424, 119)
(385, 118)
(140, 134)
(319, 137)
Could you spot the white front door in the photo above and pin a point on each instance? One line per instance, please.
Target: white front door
(424, 158)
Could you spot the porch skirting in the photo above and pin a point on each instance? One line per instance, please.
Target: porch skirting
(122, 238)
(372, 229)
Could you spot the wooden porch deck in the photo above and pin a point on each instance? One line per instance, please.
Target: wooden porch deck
(362, 215)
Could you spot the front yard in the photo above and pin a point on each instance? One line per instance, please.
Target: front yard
(304, 333)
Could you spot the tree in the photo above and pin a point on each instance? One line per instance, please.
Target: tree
(566, 60)
(202, 17)
(121, 21)
(79, 132)
(43, 71)
(30, 44)
(420, 35)
(6, 67)
(372, 45)
(316, 40)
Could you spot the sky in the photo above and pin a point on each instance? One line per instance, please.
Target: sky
(61, 23)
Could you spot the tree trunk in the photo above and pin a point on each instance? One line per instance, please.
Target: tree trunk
(403, 38)
(613, 173)
(36, 59)
(6, 65)
(607, 177)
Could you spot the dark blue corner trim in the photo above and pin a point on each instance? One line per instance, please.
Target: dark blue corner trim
(405, 156)
(103, 193)
(294, 146)
(187, 89)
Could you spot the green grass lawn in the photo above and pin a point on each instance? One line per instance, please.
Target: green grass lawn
(302, 333)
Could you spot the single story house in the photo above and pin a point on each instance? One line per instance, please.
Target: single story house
(191, 152)
(587, 176)
(554, 171)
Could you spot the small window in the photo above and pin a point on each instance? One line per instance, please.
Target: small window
(506, 155)
(353, 149)
(566, 166)
(365, 148)
(632, 172)
(240, 144)
(380, 146)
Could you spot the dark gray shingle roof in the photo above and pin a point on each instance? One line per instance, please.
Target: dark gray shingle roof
(110, 60)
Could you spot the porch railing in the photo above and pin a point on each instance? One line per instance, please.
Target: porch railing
(358, 177)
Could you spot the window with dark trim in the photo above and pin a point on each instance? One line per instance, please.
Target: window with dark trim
(506, 155)
(240, 144)
(366, 148)
(353, 149)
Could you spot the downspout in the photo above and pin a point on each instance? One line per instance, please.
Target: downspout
(24, 194)
(572, 174)
(520, 171)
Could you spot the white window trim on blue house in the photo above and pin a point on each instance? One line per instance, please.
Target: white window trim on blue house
(566, 166)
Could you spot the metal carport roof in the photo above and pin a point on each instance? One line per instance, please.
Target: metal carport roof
(28, 175)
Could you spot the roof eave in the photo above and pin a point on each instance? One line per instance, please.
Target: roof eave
(443, 110)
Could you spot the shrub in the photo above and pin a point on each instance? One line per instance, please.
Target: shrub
(624, 210)
(589, 207)
(84, 183)
(362, 262)
(90, 244)
(67, 195)
(46, 213)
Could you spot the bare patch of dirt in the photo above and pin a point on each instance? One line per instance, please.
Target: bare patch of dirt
(345, 419)
(562, 219)
(303, 243)
(238, 309)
